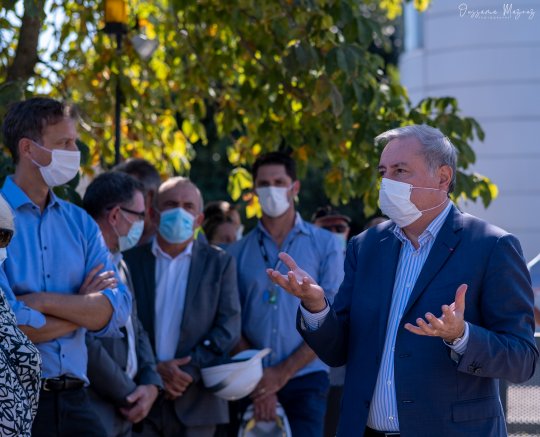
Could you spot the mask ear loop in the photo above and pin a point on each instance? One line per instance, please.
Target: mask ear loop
(431, 189)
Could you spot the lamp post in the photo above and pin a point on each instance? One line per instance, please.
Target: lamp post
(116, 18)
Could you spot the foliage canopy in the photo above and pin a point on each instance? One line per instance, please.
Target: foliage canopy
(252, 75)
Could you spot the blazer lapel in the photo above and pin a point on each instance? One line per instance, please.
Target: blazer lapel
(196, 271)
(446, 242)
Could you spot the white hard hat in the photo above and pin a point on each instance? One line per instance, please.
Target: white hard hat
(237, 378)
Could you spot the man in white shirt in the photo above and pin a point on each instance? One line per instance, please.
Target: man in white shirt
(188, 302)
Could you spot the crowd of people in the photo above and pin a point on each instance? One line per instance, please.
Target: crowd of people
(110, 311)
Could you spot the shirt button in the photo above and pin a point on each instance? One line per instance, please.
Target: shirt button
(390, 417)
(44, 247)
(389, 382)
(48, 276)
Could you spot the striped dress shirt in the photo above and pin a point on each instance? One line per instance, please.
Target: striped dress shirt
(383, 413)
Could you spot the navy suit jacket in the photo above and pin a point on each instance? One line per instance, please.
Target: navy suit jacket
(436, 395)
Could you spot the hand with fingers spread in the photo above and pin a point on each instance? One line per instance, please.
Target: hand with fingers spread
(298, 283)
(96, 282)
(175, 380)
(450, 325)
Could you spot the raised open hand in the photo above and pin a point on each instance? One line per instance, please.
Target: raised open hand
(450, 325)
(298, 283)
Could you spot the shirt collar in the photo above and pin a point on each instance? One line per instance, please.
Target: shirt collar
(17, 197)
(159, 253)
(299, 226)
(431, 231)
(116, 258)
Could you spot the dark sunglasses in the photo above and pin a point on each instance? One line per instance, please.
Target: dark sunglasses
(336, 228)
(5, 237)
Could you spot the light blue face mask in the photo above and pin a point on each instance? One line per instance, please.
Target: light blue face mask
(130, 240)
(176, 225)
(3, 255)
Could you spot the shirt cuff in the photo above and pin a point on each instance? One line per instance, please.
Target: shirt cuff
(460, 346)
(313, 321)
(120, 299)
(29, 317)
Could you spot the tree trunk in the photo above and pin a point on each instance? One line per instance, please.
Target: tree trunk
(26, 56)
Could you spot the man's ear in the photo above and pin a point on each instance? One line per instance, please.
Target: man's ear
(198, 220)
(113, 216)
(445, 174)
(24, 146)
(296, 187)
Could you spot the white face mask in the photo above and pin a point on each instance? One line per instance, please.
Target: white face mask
(3, 255)
(63, 167)
(274, 200)
(395, 202)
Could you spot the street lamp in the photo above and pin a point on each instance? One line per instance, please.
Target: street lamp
(116, 19)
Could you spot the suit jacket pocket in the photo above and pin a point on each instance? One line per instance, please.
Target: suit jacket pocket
(476, 409)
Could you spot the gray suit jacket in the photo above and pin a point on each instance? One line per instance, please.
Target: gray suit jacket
(210, 325)
(107, 360)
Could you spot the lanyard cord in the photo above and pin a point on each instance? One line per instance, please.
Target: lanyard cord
(264, 253)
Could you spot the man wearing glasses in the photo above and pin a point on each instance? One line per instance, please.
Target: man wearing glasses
(124, 382)
(58, 266)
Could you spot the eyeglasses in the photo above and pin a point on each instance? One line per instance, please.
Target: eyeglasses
(336, 228)
(5, 237)
(138, 214)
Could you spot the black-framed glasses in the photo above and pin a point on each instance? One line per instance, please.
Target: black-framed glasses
(5, 237)
(336, 228)
(138, 214)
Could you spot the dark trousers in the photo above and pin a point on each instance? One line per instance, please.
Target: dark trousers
(304, 401)
(66, 413)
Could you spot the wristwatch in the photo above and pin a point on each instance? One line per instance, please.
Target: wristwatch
(455, 340)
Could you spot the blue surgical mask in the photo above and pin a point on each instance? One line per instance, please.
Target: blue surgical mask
(130, 240)
(176, 225)
(3, 255)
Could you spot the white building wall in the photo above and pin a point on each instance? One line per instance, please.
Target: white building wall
(492, 66)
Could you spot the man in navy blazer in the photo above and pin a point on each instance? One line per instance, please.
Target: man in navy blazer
(436, 306)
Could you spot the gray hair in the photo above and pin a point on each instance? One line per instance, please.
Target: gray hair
(437, 149)
(6, 215)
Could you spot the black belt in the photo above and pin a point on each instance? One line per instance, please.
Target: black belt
(62, 383)
(370, 432)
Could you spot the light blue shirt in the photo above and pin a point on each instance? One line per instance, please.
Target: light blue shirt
(269, 312)
(54, 251)
(383, 413)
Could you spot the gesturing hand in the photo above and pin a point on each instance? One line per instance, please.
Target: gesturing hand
(450, 325)
(298, 283)
(96, 282)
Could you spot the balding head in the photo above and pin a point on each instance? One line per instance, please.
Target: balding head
(179, 192)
